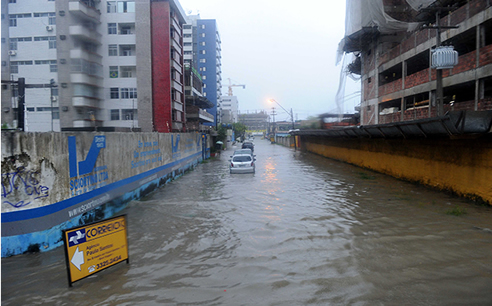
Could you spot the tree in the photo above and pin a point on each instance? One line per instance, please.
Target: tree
(239, 129)
(222, 133)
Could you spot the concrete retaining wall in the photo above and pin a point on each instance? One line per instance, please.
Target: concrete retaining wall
(54, 181)
(462, 166)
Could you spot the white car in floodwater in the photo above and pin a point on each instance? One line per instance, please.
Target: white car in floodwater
(242, 163)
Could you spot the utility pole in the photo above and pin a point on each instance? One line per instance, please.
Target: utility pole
(21, 104)
(438, 27)
(21, 88)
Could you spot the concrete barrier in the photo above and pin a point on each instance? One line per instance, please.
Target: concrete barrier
(461, 166)
(54, 181)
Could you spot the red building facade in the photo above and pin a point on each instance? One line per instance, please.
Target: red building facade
(168, 100)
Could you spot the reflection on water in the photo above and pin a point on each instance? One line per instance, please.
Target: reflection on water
(301, 230)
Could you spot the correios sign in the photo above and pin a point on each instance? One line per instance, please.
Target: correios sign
(95, 247)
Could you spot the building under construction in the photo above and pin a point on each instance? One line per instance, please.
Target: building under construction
(393, 42)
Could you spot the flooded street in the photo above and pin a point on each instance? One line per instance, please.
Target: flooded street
(302, 230)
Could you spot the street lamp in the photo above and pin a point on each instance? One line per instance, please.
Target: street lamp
(291, 118)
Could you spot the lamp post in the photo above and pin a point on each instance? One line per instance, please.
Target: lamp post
(291, 118)
(52, 84)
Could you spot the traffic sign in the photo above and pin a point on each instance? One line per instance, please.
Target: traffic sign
(94, 247)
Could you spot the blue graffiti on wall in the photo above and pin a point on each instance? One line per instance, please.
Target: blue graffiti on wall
(26, 182)
(79, 183)
(175, 146)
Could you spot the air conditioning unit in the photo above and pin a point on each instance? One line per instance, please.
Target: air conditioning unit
(49, 28)
(53, 98)
(12, 52)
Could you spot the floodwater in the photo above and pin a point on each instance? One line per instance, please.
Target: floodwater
(302, 230)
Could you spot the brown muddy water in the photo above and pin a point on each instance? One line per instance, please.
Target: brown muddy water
(302, 230)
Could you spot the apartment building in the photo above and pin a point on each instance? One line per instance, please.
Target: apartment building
(394, 42)
(203, 47)
(229, 109)
(104, 65)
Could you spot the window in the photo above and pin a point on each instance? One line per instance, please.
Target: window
(126, 51)
(126, 6)
(203, 26)
(202, 43)
(128, 114)
(12, 21)
(187, 35)
(14, 65)
(112, 28)
(115, 114)
(115, 93)
(113, 72)
(202, 52)
(128, 93)
(202, 60)
(52, 42)
(128, 72)
(12, 1)
(202, 35)
(111, 6)
(13, 44)
(52, 20)
(126, 30)
(13, 18)
(55, 114)
(50, 39)
(187, 26)
(30, 109)
(53, 66)
(113, 50)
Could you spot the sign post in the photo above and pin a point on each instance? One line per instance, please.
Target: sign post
(94, 247)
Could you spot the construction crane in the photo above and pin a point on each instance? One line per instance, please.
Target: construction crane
(233, 85)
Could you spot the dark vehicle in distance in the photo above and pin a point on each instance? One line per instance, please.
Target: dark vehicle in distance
(248, 145)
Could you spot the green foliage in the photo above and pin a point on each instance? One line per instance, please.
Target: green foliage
(366, 176)
(222, 133)
(5, 126)
(457, 211)
(239, 129)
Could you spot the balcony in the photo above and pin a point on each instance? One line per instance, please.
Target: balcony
(83, 11)
(84, 102)
(177, 86)
(83, 54)
(82, 78)
(85, 34)
(178, 106)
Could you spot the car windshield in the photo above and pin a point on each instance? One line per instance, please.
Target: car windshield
(242, 158)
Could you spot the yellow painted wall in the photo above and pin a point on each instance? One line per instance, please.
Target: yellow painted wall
(462, 166)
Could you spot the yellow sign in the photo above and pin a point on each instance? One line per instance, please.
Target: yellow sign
(95, 247)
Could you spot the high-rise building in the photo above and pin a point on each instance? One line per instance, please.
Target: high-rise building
(203, 46)
(229, 109)
(110, 65)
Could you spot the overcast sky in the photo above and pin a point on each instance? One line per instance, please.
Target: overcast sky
(282, 50)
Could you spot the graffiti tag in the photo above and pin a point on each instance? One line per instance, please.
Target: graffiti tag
(25, 182)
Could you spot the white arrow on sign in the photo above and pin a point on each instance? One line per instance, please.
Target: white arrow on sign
(75, 239)
(78, 258)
